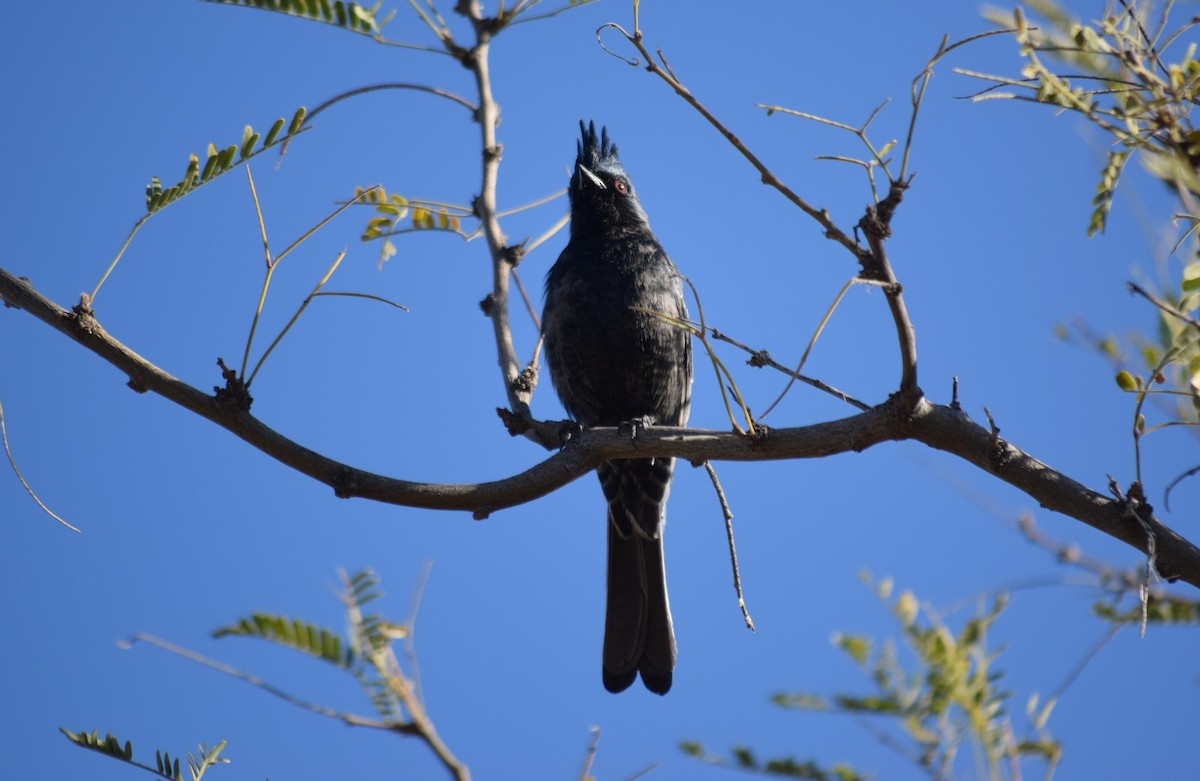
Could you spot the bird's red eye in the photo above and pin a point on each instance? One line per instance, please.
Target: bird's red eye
(620, 186)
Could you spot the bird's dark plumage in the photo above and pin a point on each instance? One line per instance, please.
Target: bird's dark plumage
(611, 364)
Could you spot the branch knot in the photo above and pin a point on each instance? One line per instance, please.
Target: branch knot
(235, 396)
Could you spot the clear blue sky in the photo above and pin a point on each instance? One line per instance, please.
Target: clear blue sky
(187, 528)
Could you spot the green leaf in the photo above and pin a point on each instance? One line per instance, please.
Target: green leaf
(273, 133)
(249, 139)
(1191, 277)
(348, 16)
(192, 174)
(856, 646)
(294, 633)
(800, 701)
(1110, 175)
(216, 163)
(210, 166)
(906, 608)
(297, 121)
(1125, 381)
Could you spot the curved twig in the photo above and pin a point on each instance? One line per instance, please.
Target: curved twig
(12, 462)
(634, 61)
(441, 93)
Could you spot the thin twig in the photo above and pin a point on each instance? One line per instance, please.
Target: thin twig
(832, 231)
(554, 196)
(701, 332)
(515, 20)
(590, 756)
(533, 315)
(1171, 485)
(299, 311)
(1132, 502)
(808, 348)
(921, 83)
(441, 93)
(553, 229)
(728, 515)
(877, 155)
(367, 296)
(346, 718)
(13, 462)
(273, 263)
(410, 650)
(763, 358)
(1086, 659)
(270, 269)
(647, 770)
(1108, 576)
(1164, 306)
(113, 264)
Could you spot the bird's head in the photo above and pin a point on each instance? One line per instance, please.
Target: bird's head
(601, 192)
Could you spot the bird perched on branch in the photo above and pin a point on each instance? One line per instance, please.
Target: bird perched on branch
(616, 359)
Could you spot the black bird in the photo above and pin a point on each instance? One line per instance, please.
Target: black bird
(614, 362)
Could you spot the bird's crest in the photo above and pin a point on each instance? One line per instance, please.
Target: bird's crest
(595, 154)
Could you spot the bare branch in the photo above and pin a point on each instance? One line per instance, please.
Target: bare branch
(832, 231)
(876, 226)
(876, 223)
(902, 416)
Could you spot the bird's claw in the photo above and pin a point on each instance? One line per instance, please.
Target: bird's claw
(568, 431)
(635, 425)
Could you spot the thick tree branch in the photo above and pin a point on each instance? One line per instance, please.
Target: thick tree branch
(903, 416)
(876, 225)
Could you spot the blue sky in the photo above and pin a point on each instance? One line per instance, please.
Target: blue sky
(187, 528)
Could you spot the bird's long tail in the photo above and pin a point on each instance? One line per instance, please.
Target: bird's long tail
(638, 636)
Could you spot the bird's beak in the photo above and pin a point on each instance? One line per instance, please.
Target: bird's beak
(595, 179)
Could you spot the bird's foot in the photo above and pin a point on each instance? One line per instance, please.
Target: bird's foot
(636, 425)
(568, 431)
